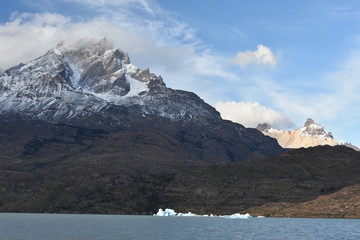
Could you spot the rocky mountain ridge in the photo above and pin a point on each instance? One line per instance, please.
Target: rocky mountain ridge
(70, 84)
(95, 86)
(310, 135)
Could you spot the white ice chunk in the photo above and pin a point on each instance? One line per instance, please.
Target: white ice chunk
(238, 216)
(168, 212)
(171, 212)
(189, 214)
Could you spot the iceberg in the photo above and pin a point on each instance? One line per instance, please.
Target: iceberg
(238, 216)
(171, 212)
(189, 214)
(168, 212)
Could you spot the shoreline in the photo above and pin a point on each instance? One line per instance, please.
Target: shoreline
(225, 216)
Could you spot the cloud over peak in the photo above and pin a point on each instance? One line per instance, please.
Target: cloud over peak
(261, 56)
(250, 114)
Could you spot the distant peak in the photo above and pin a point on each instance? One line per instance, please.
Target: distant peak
(309, 122)
(263, 127)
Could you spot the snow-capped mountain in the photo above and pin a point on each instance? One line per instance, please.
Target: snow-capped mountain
(68, 84)
(311, 134)
(95, 86)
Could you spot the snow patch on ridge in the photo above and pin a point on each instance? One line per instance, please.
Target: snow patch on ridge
(136, 87)
(57, 51)
(131, 69)
(76, 76)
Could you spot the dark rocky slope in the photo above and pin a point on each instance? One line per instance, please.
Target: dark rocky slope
(137, 171)
(294, 177)
(46, 167)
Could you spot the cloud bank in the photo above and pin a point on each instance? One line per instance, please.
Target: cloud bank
(167, 47)
(262, 56)
(27, 36)
(250, 114)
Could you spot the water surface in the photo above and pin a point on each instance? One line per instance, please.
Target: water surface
(80, 227)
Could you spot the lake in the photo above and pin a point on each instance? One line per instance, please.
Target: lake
(16, 226)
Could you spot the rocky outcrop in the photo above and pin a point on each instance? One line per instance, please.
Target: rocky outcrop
(344, 203)
(311, 134)
(349, 145)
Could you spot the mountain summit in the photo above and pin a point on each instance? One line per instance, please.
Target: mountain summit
(95, 86)
(70, 84)
(311, 134)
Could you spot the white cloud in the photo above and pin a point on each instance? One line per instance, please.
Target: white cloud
(151, 35)
(183, 66)
(28, 36)
(250, 114)
(262, 56)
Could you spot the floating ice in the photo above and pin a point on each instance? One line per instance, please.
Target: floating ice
(189, 214)
(166, 213)
(170, 212)
(238, 216)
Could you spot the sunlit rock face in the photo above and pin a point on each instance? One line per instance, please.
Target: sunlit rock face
(310, 135)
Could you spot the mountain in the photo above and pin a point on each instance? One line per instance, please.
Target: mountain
(67, 85)
(311, 134)
(94, 86)
(82, 130)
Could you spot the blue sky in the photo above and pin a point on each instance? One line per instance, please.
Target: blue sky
(256, 61)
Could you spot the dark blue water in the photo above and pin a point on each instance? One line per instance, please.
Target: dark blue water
(81, 227)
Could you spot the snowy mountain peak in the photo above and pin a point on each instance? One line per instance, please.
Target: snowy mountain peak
(73, 82)
(311, 128)
(309, 122)
(311, 134)
(101, 69)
